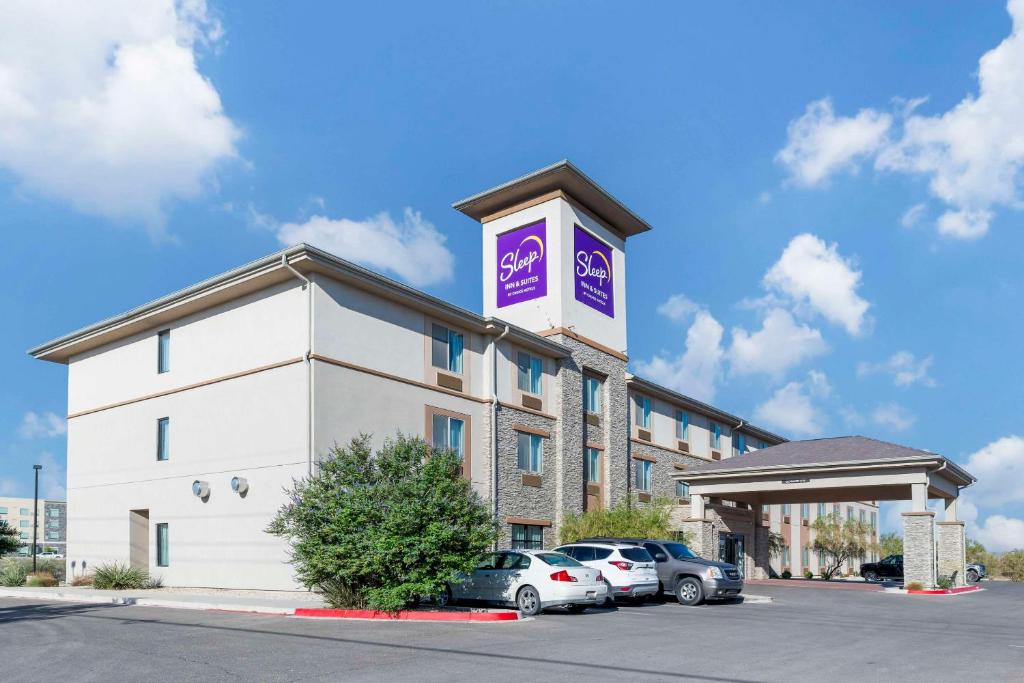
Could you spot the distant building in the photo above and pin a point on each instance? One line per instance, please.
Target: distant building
(51, 523)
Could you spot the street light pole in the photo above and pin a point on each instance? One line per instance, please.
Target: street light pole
(35, 515)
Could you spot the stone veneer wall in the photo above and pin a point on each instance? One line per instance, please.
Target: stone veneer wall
(952, 551)
(613, 432)
(662, 483)
(515, 499)
(919, 548)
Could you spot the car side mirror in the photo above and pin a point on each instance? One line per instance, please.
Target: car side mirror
(660, 557)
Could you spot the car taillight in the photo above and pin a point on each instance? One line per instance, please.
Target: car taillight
(622, 564)
(563, 576)
(600, 577)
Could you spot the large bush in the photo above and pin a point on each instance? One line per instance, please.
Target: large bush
(10, 538)
(625, 519)
(1011, 565)
(381, 529)
(118, 576)
(12, 574)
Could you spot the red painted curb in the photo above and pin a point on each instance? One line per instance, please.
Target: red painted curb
(947, 591)
(409, 615)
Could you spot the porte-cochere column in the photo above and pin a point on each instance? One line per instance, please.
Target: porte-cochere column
(952, 551)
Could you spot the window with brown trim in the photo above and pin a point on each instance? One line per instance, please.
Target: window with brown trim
(449, 430)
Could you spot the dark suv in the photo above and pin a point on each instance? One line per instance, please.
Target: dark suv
(690, 578)
(889, 568)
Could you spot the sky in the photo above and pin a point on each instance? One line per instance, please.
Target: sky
(835, 190)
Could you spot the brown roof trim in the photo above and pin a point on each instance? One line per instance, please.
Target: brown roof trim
(584, 340)
(527, 429)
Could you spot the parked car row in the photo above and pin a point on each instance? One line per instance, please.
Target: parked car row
(890, 568)
(594, 571)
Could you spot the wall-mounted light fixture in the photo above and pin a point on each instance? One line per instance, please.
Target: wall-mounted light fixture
(240, 485)
(200, 489)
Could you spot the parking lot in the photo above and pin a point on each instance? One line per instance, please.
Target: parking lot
(805, 634)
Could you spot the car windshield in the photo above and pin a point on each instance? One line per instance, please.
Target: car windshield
(636, 554)
(558, 560)
(679, 551)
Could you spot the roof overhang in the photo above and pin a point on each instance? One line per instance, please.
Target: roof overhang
(267, 272)
(562, 176)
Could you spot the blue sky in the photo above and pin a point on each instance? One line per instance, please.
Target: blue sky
(834, 190)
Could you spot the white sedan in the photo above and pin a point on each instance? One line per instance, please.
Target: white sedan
(530, 580)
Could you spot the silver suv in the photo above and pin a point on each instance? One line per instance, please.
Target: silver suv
(690, 578)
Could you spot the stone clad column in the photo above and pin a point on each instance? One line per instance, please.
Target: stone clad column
(919, 548)
(952, 552)
(699, 531)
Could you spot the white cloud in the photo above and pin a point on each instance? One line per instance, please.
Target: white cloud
(52, 478)
(815, 276)
(904, 367)
(791, 408)
(912, 216)
(39, 426)
(971, 154)
(696, 371)
(999, 467)
(779, 345)
(999, 533)
(893, 416)
(764, 198)
(678, 308)
(102, 104)
(8, 487)
(412, 249)
(819, 143)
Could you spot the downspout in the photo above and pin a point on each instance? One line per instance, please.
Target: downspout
(308, 286)
(494, 425)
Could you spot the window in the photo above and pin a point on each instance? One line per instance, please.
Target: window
(642, 477)
(24, 511)
(806, 557)
(530, 449)
(785, 509)
(785, 556)
(863, 516)
(593, 465)
(874, 521)
(527, 537)
(52, 536)
(715, 435)
(163, 429)
(805, 511)
(741, 444)
(54, 524)
(24, 536)
(162, 557)
(682, 489)
(531, 369)
(446, 349)
(54, 512)
(821, 509)
(447, 434)
(682, 425)
(835, 509)
(23, 523)
(3, 511)
(762, 444)
(163, 352)
(849, 514)
(643, 412)
(592, 394)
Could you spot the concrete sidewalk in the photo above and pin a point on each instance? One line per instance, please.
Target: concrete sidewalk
(264, 602)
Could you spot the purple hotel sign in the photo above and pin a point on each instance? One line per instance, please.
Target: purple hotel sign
(522, 264)
(593, 272)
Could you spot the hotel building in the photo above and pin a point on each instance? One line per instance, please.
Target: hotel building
(187, 416)
(51, 523)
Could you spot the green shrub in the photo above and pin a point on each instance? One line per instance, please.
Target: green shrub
(915, 586)
(118, 576)
(40, 580)
(10, 538)
(808, 574)
(13, 574)
(1011, 565)
(379, 529)
(786, 574)
(627, 518)
(944, 582)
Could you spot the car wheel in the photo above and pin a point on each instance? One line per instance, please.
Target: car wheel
(972, 576)
(870, 577)
(689, 591)
(528, 601)
(575, 608)
(444, 598)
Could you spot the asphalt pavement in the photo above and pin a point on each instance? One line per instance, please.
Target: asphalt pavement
(805, 634)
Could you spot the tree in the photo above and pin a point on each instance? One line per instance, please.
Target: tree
(889, 544)
(976, 551)
(837, 541)
(10, 539)
(776, 543)
(625, 519)
(381, 529)
(1011, 565)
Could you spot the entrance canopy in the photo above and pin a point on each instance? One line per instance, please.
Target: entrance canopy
(848, 468)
